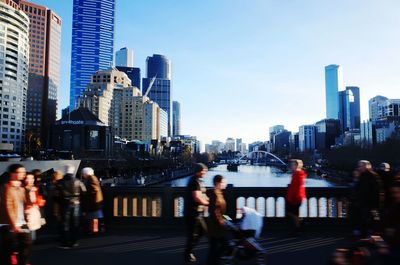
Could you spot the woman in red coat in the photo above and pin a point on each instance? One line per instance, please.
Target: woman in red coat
(296, 194)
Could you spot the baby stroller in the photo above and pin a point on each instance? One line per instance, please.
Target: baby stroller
(243, 244)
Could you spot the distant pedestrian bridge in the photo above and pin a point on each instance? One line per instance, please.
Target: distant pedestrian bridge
(263, 158)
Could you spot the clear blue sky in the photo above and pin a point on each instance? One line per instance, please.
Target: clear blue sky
(241, 66)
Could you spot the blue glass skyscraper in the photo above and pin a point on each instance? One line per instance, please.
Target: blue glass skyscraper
(92, 42)
(333, 84)
(159, 66)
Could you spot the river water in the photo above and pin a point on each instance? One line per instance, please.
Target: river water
(253, 176)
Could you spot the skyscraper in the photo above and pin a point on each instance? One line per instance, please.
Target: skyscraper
(159, 67)
(176, 118)
(14, 63)
(306, 138)
(44, 68)
(381, 107)
(349, 109)
(124, 57)
(92, 42)
(333, 84)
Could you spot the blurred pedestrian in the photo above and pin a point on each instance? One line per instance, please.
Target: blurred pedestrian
(215, 221)
(41, 193)
(195, 201)
(296, 194)
(72, 190)
(55, 202)
(387, 178)
(368, 195)
(13, 206)
(392, 224)
(33, 214)
(93, 205)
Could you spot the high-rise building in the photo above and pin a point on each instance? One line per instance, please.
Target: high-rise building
(326, 132)
(124, 57)
(333, 84)
(349, 109)
(14, 63)
(133, 73)
(306, 138)
(230, 145)
(176, 118)
(103, 97)
(282, 141)
(159, 67)
(239, 142)
(44, 68)
(149, 121)
(92, 42)
(381, 107)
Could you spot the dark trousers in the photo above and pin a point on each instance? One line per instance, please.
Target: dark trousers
(18, 242)
(196, 228)
(218, 245)
(71, 221)
(6, 243)
(23, 243)
(292, 215)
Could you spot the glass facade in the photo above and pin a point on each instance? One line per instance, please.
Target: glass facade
(160, 67)
(176, 117)
(333, 84)
(349, 108)
(14, 63)
(124, 57)
(92, 42)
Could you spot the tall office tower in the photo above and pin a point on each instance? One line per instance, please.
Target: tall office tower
(133, 73)
(230, 145)
(239, 142)
(14, 63)
(349, 109)
(333, 84)
(306, 138)
(159, 67)
(103, 97)
(176, 118)
(44, 68)
(92, 42)
(124, 57)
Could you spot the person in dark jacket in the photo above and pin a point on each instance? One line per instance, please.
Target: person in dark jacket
(392, 224)
(387, 178)
(368, 195)
(215, 224)
(296, 194)
(72, 190)
(195, 201)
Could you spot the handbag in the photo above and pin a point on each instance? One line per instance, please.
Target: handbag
(34, 218)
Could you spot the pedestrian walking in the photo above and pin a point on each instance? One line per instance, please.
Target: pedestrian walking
(72, 189)
(195, 201)
(13, 206)
(215, 222)
(387, 177)
(93, 205)
(296, 194)
(368, 193)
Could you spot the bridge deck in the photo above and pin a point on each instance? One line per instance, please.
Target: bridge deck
(166, 247)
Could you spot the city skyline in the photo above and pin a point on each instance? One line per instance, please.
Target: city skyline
(224, 51)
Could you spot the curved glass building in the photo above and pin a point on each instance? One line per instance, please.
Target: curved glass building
(14, 62)
(92, 42)
(159, 66)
